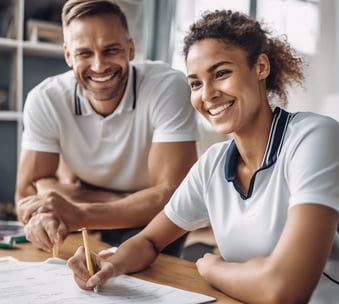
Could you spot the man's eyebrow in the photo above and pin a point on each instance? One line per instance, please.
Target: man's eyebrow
(112, 45)
(211, 68)
(81, 49)
(115, 44)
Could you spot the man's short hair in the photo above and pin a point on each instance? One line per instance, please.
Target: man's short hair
(79, 8)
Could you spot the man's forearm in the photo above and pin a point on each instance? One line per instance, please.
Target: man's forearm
(21, 197)
(134, 210)
(99, 209)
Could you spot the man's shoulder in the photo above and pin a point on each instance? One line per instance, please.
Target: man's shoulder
(57, 83)
(51, 90)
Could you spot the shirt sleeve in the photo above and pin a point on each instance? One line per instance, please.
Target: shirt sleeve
(187, 207)
(313, 171)
(40, 133)
(173, 116)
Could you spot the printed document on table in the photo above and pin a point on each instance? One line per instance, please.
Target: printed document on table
(51, 282)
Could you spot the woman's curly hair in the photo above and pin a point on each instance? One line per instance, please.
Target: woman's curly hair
(239, 30)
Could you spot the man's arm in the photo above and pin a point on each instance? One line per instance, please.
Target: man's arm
(33, 165)
(168, 164)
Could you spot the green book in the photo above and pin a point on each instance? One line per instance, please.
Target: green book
(11, 233)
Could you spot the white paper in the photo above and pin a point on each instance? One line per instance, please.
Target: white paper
(51, 282)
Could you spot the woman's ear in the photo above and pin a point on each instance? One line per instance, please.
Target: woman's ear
(263, 66)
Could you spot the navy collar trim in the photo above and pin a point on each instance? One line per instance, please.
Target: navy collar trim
(279, 126)
(77, 103)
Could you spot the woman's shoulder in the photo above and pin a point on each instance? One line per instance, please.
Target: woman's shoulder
(311, 132)
(306, 123)
(312, 119)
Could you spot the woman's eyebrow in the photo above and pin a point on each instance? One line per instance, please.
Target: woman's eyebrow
(218, 64)
(211, 68)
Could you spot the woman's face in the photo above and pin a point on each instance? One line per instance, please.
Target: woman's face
(224, 89)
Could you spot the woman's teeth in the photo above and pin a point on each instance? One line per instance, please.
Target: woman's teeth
(220, 109)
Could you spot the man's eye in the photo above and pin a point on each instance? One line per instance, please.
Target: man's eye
(84, 54)
(112, 51)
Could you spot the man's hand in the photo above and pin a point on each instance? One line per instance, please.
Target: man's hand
(45, 230)
(47, 218)
(48, 202)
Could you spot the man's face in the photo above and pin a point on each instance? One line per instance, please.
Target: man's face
(98, 50)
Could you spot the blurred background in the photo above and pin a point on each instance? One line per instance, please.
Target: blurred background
(31, 50)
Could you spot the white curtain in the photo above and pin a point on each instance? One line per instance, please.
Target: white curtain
(159, 18)
(326, 77)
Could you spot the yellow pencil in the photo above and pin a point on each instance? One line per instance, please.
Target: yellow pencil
(55, 251)
(87, 252)
(88, 255)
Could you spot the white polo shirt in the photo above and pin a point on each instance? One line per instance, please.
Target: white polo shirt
(301, 165)
(110, 152)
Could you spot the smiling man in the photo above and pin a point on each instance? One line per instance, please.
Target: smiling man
(125, 130)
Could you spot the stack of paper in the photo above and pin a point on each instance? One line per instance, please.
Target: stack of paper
(52, 282)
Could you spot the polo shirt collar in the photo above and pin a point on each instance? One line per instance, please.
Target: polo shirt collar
(275, 142)
(82, 107)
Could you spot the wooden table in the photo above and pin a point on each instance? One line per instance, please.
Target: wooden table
(166, 269)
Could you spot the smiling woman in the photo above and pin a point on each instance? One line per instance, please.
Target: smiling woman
(272, 205)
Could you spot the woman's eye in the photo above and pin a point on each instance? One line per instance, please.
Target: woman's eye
(194, 84)
(222, 73)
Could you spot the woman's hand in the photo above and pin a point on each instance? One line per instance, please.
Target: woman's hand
(104, 270)
(207, 264)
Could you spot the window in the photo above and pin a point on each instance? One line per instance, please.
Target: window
(190, 10)
(281, 16)
(299, 20)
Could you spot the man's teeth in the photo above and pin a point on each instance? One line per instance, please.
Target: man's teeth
(219, 109)
(102, 79)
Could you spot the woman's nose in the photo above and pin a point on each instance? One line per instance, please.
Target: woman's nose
(210, 92)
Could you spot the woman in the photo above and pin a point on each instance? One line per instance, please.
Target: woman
(271, 194)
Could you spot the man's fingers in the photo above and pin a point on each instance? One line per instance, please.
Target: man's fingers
(37, 235)
(55, 228)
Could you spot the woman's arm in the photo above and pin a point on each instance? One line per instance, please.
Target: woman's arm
(291, 272)
(133, 255)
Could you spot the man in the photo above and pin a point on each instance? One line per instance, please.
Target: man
(125, 130)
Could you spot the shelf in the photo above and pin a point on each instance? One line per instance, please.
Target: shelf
(10, 115)
(44, 49)
(8, 44)
(23, 64)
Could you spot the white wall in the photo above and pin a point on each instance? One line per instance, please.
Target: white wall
(321, 92)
